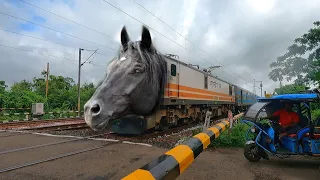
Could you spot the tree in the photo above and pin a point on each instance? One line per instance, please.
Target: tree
(24, 85)
(290, 89)
(301, 61)
(3, 86)
(62, 93)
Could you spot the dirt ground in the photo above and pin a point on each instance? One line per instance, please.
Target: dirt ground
(118, 160)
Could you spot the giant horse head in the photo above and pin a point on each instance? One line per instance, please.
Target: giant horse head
(134, 83)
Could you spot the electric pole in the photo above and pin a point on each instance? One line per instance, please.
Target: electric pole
(261, 88)
(254, 86)
(79, 71)
(47, 81)
(79, 74)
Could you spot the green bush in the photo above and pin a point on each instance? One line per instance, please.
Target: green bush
(235, 139)
(315, 114)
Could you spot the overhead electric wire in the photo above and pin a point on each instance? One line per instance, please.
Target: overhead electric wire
(89, 57)
(104, 33)
(50, 41)
(67, 19)
(58, 57)
(56, 30)
(131, 17)
(108, 35)
(163, 35)
(184, 37)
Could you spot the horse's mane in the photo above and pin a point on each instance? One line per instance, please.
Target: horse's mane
(156, 67)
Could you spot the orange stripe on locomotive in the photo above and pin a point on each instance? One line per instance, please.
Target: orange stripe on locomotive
(185, 92)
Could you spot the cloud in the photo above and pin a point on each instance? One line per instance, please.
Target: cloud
(242, 37)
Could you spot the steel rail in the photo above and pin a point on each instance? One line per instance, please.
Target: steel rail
(55, 126)
(40, 121)
(55, 157)
(49, 144)
(15, 134)
(10, 126)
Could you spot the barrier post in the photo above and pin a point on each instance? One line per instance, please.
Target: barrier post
(206, 124)
(230, 118)
(175, 161)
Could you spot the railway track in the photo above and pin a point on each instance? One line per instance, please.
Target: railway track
(140, 138)
(47, 144)
(39, 124)
(80, 125)
(59, 156)
(38, 121)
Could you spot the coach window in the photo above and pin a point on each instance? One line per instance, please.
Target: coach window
(206, 82)
(230, 90)
(173, 70)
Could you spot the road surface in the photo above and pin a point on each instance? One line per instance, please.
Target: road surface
(118, 160)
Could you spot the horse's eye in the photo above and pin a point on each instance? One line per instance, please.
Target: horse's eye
(137, 71)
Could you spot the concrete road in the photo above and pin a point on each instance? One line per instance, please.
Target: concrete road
(118, 160)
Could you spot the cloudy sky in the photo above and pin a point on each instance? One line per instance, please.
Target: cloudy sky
(243, 37)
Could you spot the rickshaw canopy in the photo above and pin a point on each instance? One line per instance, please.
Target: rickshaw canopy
(292, 97)
(259, 108)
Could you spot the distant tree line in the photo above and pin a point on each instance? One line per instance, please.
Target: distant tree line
(62, 93)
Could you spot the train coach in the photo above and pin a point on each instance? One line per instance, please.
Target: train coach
(189, 93)
(244, 99)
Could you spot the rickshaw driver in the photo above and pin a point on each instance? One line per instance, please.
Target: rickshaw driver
(288, 119)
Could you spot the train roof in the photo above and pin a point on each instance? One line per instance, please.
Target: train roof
(173, 59)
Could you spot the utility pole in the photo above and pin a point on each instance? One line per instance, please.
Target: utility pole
(261, 88)
(47, 81)
(79, 73)
(254, 86)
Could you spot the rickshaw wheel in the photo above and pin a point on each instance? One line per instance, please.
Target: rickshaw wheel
(251, 152)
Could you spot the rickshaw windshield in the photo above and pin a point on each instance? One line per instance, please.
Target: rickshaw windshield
(255, 110)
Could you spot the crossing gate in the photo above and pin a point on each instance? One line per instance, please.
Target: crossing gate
(175, 161)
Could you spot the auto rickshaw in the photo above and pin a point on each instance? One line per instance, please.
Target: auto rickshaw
(262, 138)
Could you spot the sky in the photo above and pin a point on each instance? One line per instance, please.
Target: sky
(243, 37)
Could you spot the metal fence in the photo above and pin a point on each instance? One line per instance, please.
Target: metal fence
(27, 116)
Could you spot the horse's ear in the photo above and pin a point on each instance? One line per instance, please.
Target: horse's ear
(146, 38)
(124, 37)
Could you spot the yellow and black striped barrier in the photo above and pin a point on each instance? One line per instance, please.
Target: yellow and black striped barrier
(175, 161)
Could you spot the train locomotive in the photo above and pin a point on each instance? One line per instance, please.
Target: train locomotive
(189, 93)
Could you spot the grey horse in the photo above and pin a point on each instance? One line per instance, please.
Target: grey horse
(134, 83)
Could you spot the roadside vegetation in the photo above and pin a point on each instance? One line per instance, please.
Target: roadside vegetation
(62, 96)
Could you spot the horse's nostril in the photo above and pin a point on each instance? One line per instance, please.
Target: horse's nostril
(95, 109)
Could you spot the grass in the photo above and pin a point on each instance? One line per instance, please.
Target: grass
(235, 139)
